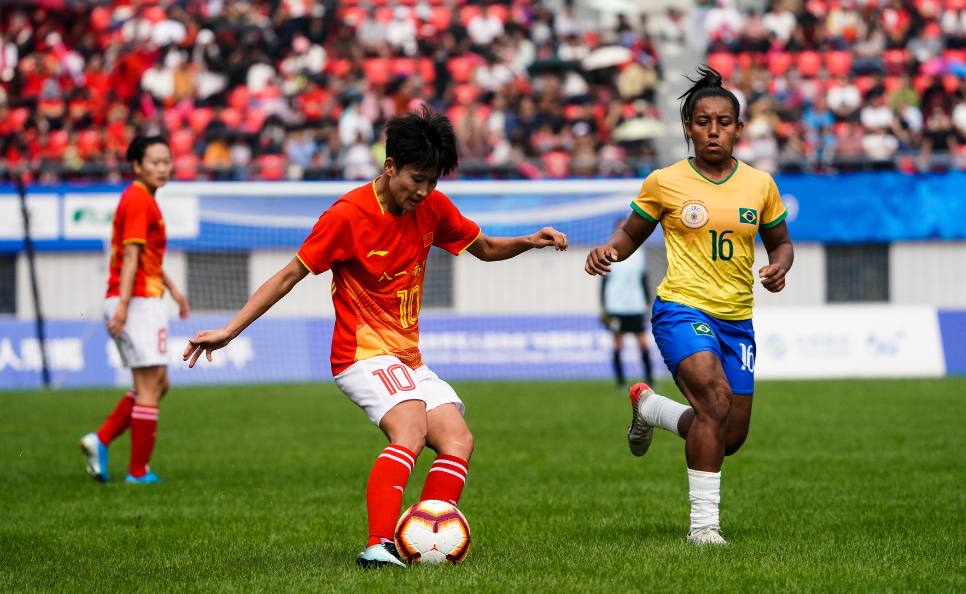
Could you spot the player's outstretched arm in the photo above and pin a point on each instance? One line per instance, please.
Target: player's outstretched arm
(781, 254)
(264, 298)
(493, 249)
(179, 298)
(621, 244)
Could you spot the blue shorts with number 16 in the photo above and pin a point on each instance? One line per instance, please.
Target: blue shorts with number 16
(681, 331)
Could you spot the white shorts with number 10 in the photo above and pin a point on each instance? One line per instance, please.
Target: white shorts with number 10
(380, 383)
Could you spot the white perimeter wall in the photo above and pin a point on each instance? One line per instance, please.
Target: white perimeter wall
(72, 285)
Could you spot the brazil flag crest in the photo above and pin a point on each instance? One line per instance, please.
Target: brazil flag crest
(749, 216)
(702, 329)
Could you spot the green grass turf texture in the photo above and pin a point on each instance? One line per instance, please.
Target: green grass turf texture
(843, 486)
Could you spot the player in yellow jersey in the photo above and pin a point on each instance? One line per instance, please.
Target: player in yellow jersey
(710, 206)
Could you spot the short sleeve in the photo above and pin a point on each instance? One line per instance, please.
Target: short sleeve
(454, 232)
(331, 241)
(136, 215)
(774, 211)
(648, 203)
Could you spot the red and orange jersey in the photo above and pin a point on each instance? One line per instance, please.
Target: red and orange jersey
(378, 263)
(138, 220)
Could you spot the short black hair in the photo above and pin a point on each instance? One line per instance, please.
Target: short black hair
(707, 85)
(139, 146)
(424, 140)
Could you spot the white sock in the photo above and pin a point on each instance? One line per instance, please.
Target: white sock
(705, 496)
(663, 412)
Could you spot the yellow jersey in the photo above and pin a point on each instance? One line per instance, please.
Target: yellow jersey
(709, 230)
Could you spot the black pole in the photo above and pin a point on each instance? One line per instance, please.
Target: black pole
(29, 249)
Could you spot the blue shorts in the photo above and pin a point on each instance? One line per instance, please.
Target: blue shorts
(681, 331)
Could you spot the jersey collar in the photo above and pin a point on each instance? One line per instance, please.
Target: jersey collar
(714, 182)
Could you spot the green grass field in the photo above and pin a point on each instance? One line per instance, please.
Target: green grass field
(843, 486)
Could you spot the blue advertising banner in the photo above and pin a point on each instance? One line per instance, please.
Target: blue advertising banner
(852, 208)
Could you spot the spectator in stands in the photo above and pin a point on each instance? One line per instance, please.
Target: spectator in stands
(938, 135)
(780, 22)
(723, 25)
(844, 98)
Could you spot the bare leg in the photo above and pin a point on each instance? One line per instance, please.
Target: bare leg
(703, 382)
(739, 420)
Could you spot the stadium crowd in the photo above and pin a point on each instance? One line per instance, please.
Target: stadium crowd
(296, 89)
(836, 84)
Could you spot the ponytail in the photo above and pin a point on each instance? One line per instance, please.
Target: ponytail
(708, 85)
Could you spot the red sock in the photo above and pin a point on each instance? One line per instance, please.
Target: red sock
(385, 490)
(144, 428)
(118, 421)
(445, 480)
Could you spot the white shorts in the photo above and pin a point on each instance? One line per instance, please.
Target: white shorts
(380, 383)
(144, 342)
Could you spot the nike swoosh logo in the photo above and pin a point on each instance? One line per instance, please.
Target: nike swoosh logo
(401, 490)
(376, 253)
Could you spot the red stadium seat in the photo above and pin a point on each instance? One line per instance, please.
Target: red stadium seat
(427, 69)
(573, 112)
(955, 55)
(456, 114)
(723, 63)
(556, 164)
(499, 11)
(951, 83)
(403, 67)
(896, 61)
(19, 117)
(377, 70)
(338, 67)
(892, 84)
(838, 63)
(748, 59)
(231, 117)
(239, 97)
(186, 167)
(384, 14)
(272, 167)
(172, 120)
(809, 63)
(89, 143)
(353, 15)
(864, 83)
(460, 68)
(440, 17)
(468, 12)
(254, 120)
(779, 63)
(58, 142)
(182, 142)
(199, 118)
(921, 83)
(465, 94)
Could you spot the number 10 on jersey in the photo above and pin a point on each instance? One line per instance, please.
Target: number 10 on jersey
(409, 303)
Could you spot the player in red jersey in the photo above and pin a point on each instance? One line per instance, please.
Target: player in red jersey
(136, 316)
(376, 239)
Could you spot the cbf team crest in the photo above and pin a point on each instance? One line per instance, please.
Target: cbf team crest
(694, 215)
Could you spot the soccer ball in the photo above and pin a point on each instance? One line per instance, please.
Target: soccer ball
(433, 532)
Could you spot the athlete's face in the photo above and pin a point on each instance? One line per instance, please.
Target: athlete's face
(714, 128)
(409, 186)
(153, 171)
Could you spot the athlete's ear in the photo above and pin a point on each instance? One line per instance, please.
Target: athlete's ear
(687, 129)
(389, 167)
(738, 129)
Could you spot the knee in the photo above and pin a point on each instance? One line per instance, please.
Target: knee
(458, 443)
(411, 438)
(716, 403)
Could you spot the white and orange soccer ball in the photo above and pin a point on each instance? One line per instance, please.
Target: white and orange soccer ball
(433, 532)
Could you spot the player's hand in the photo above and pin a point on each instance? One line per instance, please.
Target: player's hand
(772, 277)
(206, 341)
(182, 301)
(115, 325)
(549, 236)
(599, 260)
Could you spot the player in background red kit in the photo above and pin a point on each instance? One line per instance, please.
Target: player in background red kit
(376, 239)
(136, 315)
